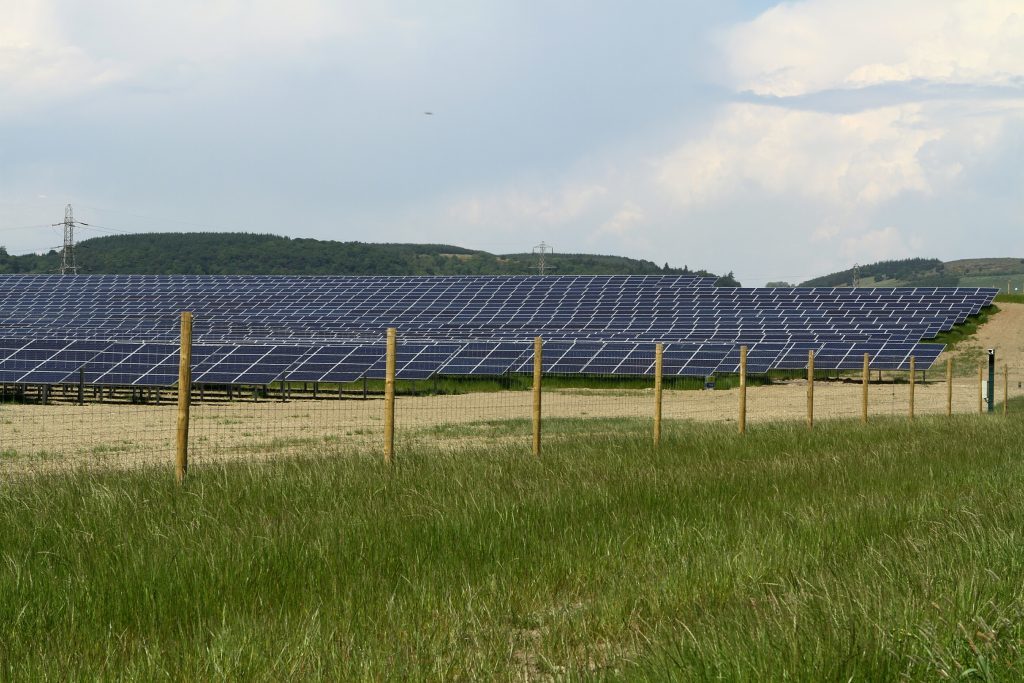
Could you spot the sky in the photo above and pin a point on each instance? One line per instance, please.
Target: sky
(779, 141)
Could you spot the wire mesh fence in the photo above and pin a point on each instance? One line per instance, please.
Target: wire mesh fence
(102, 419)
(131, 418)
(283, 419)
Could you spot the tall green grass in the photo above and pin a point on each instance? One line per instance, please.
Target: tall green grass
(869, 553)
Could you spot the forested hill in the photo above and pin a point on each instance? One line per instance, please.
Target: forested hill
(929, 272)
(249, 254)
(911, 272)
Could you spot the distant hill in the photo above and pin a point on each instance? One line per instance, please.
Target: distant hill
(923, 272)
(251, 254)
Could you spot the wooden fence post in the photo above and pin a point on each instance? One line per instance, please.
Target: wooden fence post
(981, 392)
(658, 351)
(743, 390)
(389, 395)
(949, 386)
(1006, 387)
(538, 369)
(810, 389)
(864, 391)
(184, 396)
(913, 382)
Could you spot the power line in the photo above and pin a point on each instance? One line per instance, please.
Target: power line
(103, 228)
(164, 219)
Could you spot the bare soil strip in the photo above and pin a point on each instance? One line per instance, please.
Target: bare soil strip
(1004, 332)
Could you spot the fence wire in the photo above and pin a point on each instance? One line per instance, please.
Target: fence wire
(118, 421)
(283, 419)
(100, 420)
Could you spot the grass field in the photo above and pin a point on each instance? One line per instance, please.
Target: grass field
(998, 280)
(874, 553)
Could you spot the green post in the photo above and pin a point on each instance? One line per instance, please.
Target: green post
(991, 393)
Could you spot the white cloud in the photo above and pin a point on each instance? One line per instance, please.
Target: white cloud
(36, 65)
(877, 245)
(856, 181)
(516, 208)
(625, 223)
(839, 179)
(862, 158)
(51, 50)
(803, 47)
(205, 30)
(825, 233)
(599, 214)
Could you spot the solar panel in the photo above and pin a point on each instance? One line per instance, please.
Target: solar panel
(414, 360)
(258, 329)
(321, 362)
(618, 358)
(356, 364)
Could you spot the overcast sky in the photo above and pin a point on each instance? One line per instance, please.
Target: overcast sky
(778, 140)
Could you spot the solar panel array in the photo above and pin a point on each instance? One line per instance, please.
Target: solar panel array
(252, 330)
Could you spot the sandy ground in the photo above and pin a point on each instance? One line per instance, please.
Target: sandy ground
(44, 438)
(1004, 333)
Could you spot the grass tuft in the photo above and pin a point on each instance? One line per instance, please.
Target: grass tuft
(847, 552)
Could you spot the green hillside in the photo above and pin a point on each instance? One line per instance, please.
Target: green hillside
(922, 272)
(249, 254)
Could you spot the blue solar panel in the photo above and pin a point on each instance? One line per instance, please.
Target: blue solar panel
(795, 356)
(319, 361)
(576, 357)
(415, 360)
(259, 329)
(356, 364)
(618, 358)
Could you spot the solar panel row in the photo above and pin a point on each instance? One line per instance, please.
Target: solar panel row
(257, 329)
(654, 308)
(156, 364)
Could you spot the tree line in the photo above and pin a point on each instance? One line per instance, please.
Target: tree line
(257, 254)
(911, 272)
